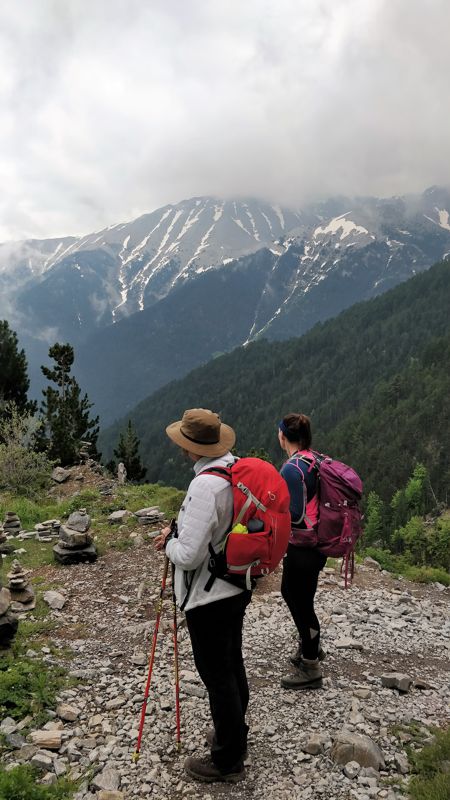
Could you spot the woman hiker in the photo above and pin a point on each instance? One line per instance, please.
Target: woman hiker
(215, 617)
(302, 562)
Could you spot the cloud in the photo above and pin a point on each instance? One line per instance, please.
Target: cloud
(109, 113)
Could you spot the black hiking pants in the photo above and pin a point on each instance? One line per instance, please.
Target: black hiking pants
(216, 636)
(301, 567)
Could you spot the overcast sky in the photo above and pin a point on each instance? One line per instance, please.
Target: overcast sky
(110, 108)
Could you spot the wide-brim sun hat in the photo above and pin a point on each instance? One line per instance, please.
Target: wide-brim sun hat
(202, 432)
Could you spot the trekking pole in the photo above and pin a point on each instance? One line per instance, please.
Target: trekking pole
(175, 661)
(136, 754)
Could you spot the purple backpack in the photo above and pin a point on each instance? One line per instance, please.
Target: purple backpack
(340, 518)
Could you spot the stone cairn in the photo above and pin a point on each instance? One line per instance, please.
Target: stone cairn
(10, 527)
(8, 621)
(21, 591)
(149, 516)
(11, 524)
(47, 530)
(75, 543)
(5, 548)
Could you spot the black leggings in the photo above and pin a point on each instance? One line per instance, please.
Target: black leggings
(301, 567)
(216, 635)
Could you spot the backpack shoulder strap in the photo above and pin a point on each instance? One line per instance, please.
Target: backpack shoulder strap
(222, 472)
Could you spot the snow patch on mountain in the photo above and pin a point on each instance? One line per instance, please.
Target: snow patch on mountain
(443, 219)
(343, 224)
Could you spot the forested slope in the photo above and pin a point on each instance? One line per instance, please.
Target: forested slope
(374, 380)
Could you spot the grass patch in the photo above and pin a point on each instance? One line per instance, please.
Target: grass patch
(131, 497)
(431, 767)
(28, 686)
(20, 783)
(410, 732)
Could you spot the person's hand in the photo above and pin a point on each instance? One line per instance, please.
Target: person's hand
(160, 540)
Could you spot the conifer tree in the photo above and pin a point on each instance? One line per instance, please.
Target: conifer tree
(64, 412)
(128, 452)
(14, 383)
(374, 528)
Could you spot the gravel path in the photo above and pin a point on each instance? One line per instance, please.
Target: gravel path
(380, 625)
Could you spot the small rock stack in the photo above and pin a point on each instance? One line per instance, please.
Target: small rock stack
(22, 593)
(8, 621)
(148, 516)
(75, 544)
(10, 527)
(48, 529)
(11, 524)
(5, 548)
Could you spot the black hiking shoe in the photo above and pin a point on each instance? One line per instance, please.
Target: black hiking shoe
(203, 769)
(308, 675)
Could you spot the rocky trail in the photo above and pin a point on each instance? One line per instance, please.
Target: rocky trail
(379, 626)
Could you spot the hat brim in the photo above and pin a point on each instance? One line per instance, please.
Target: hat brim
(225, 443)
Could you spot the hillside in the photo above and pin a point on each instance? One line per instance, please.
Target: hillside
(374, 380)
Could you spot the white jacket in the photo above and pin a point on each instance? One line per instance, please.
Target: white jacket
(204, 519)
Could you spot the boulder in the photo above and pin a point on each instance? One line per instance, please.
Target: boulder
(397, 680)
(108, 780)
(67, 713)
(55, 600)
(356, 747)
(49, 740)
(60, 475)
(352, 769)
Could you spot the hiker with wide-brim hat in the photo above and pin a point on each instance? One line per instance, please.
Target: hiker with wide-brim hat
(215, 615)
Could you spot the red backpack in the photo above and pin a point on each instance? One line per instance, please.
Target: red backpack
(261, 504)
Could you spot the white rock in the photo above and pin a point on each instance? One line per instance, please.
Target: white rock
(54, 599)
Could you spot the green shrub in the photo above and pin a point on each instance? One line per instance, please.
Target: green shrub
(20, 784)
(27, 686)
(22, 470)
(401, 565)
(431, 765)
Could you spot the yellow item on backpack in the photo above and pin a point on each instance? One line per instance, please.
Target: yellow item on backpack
(239, 529)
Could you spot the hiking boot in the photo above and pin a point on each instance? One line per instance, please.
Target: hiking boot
(210, 734)
(203, 769)
(308, 675)
(296, 657)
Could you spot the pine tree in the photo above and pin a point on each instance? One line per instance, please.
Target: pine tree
(14, 383)
(374, 527)
(64, 413)
(128, 452)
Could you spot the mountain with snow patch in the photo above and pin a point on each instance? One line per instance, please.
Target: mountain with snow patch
(146, 301)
